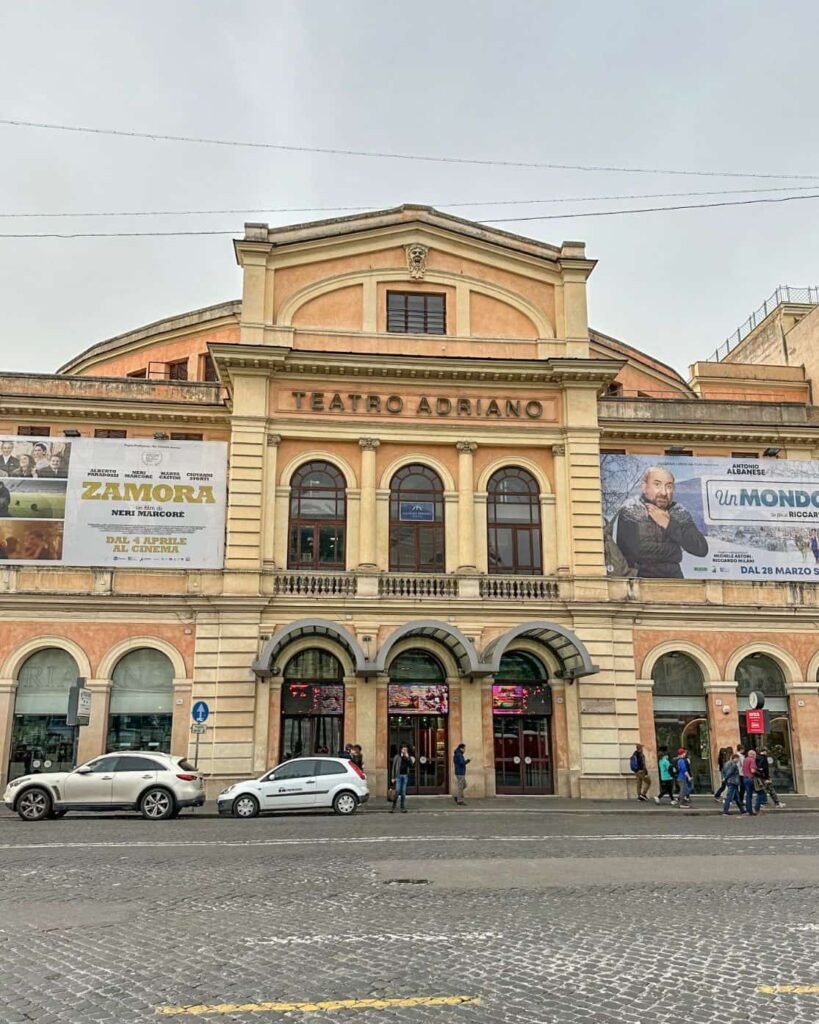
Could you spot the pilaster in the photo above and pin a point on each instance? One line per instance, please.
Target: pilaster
(466, 506)
(367, 517)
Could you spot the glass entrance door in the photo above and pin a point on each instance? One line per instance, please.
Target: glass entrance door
(306, 735)
(426, 737)
(522, 755)
(688, 731)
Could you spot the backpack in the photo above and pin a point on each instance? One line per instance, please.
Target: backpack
(634, 763)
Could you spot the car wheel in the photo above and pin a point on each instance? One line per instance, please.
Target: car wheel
(34, 805)
(345, 803)
(157, 804)
(245, 807)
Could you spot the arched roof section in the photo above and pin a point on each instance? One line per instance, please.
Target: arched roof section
(569, 650)
(429, 461)
(318, 455)
(14, 661)
(697, 654)
(447, 635)
(265, 663)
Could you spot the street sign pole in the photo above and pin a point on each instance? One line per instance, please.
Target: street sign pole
(199, 713)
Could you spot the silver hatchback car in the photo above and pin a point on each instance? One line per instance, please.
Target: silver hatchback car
(157, 785)
(301, 784)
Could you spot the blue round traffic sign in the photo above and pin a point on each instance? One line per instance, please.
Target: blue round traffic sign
(200, 711)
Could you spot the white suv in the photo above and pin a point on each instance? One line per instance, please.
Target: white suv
(301, 784)
(157, 785)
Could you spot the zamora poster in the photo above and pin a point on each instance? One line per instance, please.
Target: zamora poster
(668, 517)
(108, 502)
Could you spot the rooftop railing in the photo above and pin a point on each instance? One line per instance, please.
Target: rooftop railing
(784, 293)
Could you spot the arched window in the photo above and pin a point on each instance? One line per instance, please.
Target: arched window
(312, 703)
(761, 673)
(681, 715)
(416, 521)
(416, 666)
(318, 517)
(314, 666)
(520, 667)
(41, 741)
(513, 522)
(140, 716)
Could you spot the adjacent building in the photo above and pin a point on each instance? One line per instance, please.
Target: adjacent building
(415, 544)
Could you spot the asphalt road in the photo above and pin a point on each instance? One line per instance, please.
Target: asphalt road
(457, 916)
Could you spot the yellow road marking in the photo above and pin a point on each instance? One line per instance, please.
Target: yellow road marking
(330, 1004)
(785, 990)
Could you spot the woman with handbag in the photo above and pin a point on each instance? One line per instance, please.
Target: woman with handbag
(399, 778)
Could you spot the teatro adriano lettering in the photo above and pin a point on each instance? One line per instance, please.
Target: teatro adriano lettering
(420, 405)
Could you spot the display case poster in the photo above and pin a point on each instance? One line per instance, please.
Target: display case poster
(113, 502)
(313, 699)
(668, 517)
(534, 699)
(420, 700)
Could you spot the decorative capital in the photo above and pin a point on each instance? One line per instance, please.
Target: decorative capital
(558, 449)
(274, 440)
(466, 446)
(368, 444)
(416, 260)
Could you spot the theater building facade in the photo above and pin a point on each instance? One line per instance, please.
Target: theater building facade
(415, 410)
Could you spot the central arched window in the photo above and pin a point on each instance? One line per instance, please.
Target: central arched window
(416, 521)
(318, 517)
(141, 712)
(513, 523)
(312, 703)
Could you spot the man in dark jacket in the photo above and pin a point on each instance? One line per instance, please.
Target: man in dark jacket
(638, 766)
(652, 531)
(459, 763)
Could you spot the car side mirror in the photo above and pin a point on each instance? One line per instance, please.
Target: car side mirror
(84, 769)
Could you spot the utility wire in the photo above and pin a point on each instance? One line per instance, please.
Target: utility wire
(159, 137)
(496, 220)
(354, 209)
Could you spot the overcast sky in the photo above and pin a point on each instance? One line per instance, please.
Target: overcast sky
(706, 86)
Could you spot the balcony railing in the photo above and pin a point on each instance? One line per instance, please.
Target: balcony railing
(314, 584)
(519, 588)
(394, 585)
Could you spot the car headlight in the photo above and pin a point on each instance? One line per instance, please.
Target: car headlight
(226, 791)
(17, 782)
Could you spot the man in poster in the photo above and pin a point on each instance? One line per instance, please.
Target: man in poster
(652, 530)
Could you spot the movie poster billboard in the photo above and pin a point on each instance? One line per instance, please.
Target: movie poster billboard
(673, 517)
(113, 502)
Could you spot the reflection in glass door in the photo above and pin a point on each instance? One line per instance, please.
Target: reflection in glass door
(426, 737)
(522, 755)
(689, 731)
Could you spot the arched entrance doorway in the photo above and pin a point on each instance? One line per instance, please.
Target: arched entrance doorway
(418, 700)
(681, 715)
(140, 716)
(521, 725)
(312, 705)
(761, 674)
(41, 741)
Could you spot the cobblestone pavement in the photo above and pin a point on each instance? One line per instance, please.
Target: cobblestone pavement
(541, 918)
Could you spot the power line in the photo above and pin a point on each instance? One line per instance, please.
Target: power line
(441, 205)
(377, 154)
(495, 220)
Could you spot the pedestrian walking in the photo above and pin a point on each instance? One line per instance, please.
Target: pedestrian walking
(731, 780)
(666, 777)
(399, 778)
(767, 781)
(748, 771)
(760, 771)
(684, 777)
(725, 755)
(357, 756)
(459, 763)
(638, 767)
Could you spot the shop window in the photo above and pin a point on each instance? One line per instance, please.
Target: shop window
(207, 368)
(312, 704)
(416, 521)
(759, 673)
(141, 709)
(683, 453)
(177, 435)
(33, 431)
(418, 701)
(513, 523)
(41, 741)
(318, 518)
(178, 369)
(744, 455)
(680, 713)
(416, 313)
(614, 390)
(104, 432)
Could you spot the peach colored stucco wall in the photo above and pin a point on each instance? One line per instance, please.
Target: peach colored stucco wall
(491, 318)
(722, 644)
(289, 281)
(341, 309)
(158, 351)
